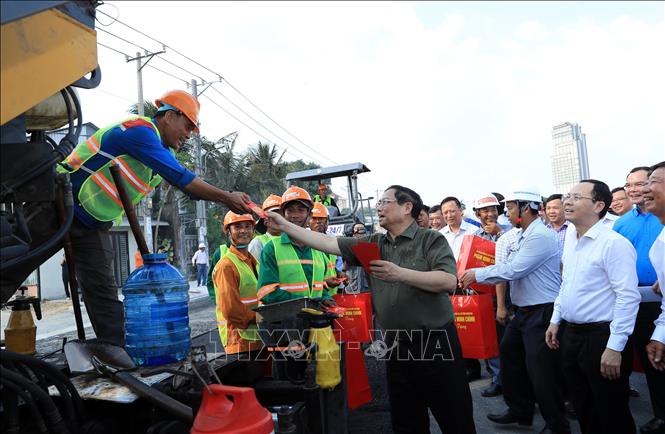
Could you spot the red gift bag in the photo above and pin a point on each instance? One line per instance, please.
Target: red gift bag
(358, 390)
(474, 319)
(476, 252)
(356, 323)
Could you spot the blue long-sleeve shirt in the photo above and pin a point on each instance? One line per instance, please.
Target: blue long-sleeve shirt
(533, 269)
(641, 230)
(141, 143)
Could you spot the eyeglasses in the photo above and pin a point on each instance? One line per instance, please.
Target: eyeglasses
(577, 197)
(383, 202)
(360, 231)
(635, 185)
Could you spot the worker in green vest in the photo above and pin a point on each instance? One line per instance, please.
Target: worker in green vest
(272, 203)
(323, 197)
(318, 222)
(234, 278)
(290, 270)
(144, 150)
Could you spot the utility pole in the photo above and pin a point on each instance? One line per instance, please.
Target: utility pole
(201, 217)
(201, 223)
(146, 206)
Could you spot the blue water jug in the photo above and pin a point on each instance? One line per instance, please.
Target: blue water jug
(156, 313)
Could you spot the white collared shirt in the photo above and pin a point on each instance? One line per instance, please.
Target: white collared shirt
(657, 257)
(455, 240)
(599, 283)
(609, 220)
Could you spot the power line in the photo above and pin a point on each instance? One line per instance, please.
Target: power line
(221, 78)
(259, 134)
(148, 65)
(123, 39)
(252, 118)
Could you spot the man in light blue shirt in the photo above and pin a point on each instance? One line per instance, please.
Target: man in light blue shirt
(530, 371)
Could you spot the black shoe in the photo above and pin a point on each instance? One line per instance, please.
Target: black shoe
(654, 426)
(570, 409)
(507, 417)
(472, 376)
(633, 392)
(493, 390)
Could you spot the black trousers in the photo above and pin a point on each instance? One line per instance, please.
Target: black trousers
(644, 328)
(429, 373)
(93, 258)
(601, 405)
(530, 371)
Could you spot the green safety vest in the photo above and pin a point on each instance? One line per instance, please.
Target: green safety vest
(264, 238)
(248, 284)
(326, 202)
(291, 274)
(98, 194)
(331, 270)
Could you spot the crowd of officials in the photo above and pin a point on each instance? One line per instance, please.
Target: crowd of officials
(577, 294)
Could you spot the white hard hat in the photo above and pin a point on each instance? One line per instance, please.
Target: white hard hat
(524, 195)
(484, 201)
(201, 245)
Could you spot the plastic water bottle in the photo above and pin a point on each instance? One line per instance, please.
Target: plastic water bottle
(156, 313)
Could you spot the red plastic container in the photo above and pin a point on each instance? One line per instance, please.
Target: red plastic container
(242, 414)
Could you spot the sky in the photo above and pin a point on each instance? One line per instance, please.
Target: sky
(447, 98)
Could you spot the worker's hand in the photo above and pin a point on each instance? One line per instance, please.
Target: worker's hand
(492, 228)
(386, 271)
(467, 278)
(610, 364)
(655, 353)
(502, 315)
(656, 288)
(328, 303)
(550, 336)
(332, 281)
(237, 202)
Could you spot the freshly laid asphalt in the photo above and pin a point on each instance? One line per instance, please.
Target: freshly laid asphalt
(370, 418)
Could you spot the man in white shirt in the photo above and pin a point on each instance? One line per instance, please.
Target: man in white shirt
(598, 302)
(456, 227)
(200, 261)
(654, 201)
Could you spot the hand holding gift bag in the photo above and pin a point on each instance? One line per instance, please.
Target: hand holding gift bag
(476, 252)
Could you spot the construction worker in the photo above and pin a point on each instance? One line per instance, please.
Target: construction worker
(289, 269)
(326, 200)
(272, 203)
(318, 222)
(144, 150)
(234, 277)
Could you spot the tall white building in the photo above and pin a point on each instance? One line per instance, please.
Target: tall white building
(570, 162)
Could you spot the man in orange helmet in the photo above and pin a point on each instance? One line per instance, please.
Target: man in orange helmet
(289, 269)
(143, 148)
(272, 203)
(318, 222)
(235, 288)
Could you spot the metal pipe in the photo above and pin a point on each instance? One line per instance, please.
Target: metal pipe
(69, 258)
(129, 210)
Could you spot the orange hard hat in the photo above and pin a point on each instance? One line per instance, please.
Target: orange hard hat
(296, 194)
(232, 217)
(186, 103)
(320, 211)
(272, 201)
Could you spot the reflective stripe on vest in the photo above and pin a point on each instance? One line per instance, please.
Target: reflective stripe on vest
(292, 275)
(248, 297)
(98, 195)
